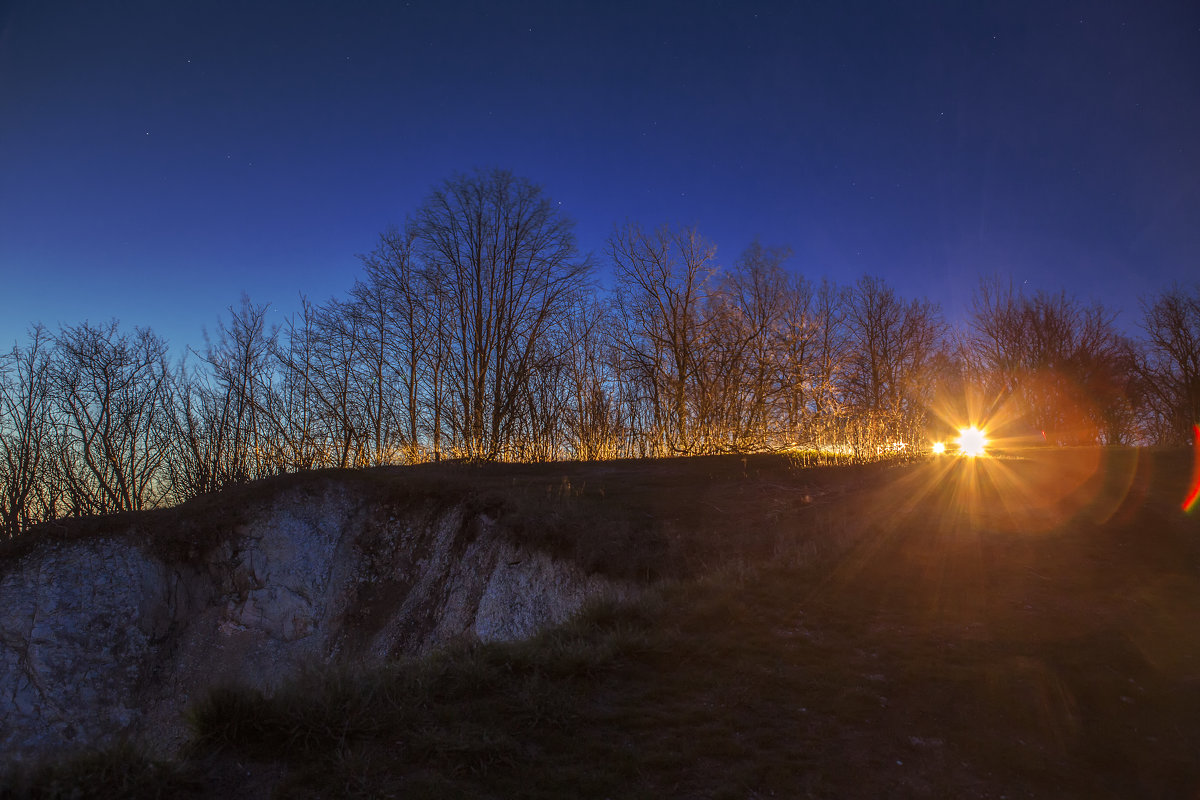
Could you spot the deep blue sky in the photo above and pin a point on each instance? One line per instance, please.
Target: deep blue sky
(157, 158)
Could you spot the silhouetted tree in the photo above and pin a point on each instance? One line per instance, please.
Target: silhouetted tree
(593, 423)
(662, 286)
(827, 406)
(744, 360)
(26, 435)
(475, 332)
(892, 345)
(1055, 363)
(112, 393)
(412, 315)
(505, 261)
(227, 429)
(1170, 363)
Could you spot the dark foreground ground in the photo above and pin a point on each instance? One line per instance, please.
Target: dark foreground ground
(1022, 626)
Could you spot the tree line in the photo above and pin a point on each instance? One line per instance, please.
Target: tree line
(477, 331)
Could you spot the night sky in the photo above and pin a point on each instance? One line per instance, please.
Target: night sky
(157, 159)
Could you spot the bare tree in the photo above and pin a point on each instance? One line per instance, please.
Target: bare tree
(826, 403)
(506, 261)
(26, 439)
(294, 411)
(411, 315)
(336, 347)
(1060, 366)
(113, 394)
(757, 314)
(199, 463)
(375, 375)
(228, 426)
(539, 428)
(1122, 415)
(592, 419)
(1170, 364)
(662, 288)
(893, 344)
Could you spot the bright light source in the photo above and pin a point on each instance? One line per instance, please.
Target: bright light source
(971, 441)
(939, 448)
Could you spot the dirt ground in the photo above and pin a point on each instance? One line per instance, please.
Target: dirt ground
(1024, 625)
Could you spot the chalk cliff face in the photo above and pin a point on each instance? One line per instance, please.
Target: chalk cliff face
(105, 636)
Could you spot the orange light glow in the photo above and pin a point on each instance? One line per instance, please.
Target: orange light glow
(939, 448)
(1193, 497)
(971, 442)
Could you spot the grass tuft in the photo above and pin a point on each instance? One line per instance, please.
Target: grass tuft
(119, 771)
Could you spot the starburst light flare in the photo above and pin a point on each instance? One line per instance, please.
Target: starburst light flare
(972, 442)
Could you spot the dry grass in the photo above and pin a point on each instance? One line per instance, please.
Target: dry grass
(663, 518)
(642, 520)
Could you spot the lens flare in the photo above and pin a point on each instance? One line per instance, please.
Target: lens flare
(971, 442)
(1193, 497)
(939, 448)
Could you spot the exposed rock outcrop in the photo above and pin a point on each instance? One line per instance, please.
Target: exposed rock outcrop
(106, 635)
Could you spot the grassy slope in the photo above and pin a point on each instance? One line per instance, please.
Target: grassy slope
(1011, 627)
